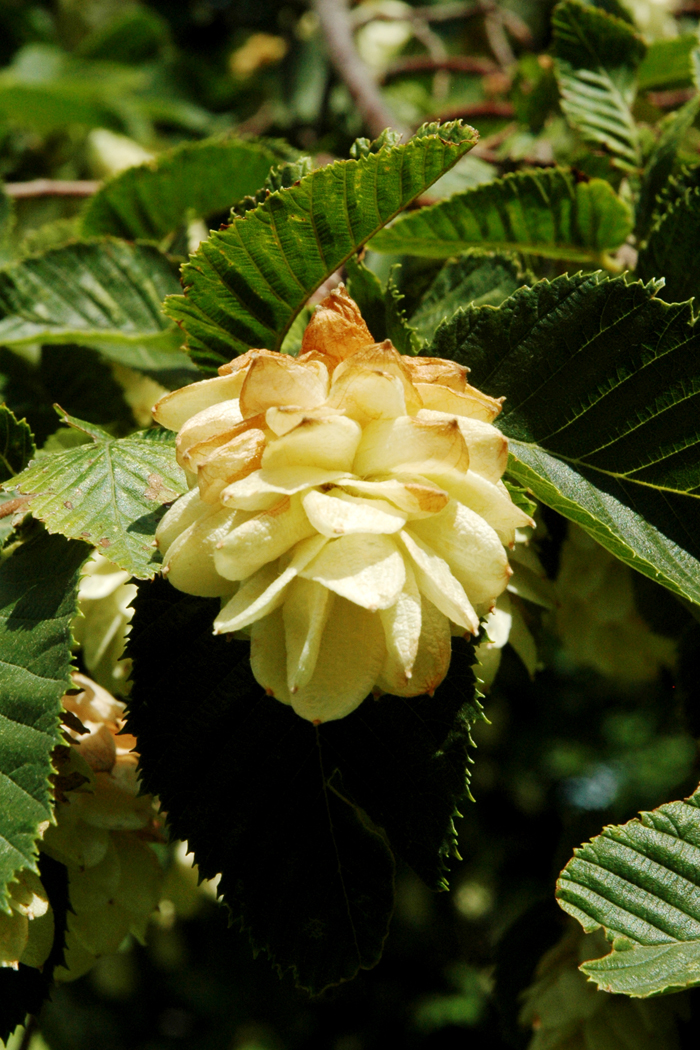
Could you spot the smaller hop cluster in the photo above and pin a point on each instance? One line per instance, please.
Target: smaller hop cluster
(346, 506)
(101, 834)
(102, 831)
(100, 628)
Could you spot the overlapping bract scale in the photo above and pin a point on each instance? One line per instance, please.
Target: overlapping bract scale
(347, 508)
(101, 834)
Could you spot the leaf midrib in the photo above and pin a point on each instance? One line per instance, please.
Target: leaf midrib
(572, 253)
(607, 473)
(360, 244)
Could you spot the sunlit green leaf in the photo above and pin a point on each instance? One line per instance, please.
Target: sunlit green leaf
(640, 881)
(107, 492)
(602, 388)
(246, 284)
(544, 212)
(46, 89)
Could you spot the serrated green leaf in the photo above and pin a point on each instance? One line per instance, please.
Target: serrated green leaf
(479, 278)
(596, 59)
(16, 444)
(544, 212)
(640, 881)
(106, 296)
(668, 63)
(151, 200)
(280, 177)
(246, 284)
(661, 160)
(363, 147)
(328, 800)
(38, 601)
(602, 388)
(648, 970)
(107, 492)
(671, 250)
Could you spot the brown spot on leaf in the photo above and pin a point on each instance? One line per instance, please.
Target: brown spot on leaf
(158, 491)
(104, 542)
(68, 505)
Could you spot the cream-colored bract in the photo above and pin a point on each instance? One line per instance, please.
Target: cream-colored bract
(346, 506)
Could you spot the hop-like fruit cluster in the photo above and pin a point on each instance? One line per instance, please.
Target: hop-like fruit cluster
(100, 628)
(102, 831)
(346, 506)
(101, 834)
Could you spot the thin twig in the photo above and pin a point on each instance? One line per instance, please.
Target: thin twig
(336, 26)
(475, 111)
(454, 63)
(259, 122)
(436, 49)
(52, 188)
(496, 36)
(670, 99)
(516, 27)
(437, 13)
(30, 1030)
(486, 148)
